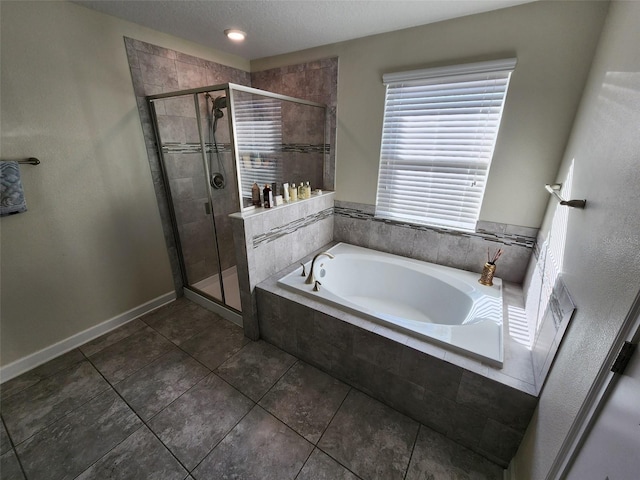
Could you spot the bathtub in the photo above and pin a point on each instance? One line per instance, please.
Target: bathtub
(432, 302)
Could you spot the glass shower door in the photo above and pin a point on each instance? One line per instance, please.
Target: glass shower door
(199, 226)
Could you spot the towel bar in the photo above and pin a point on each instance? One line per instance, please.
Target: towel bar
(26, 161)
(554, 188)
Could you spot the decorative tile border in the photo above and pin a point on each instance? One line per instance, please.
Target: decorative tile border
(504, 238)
(226, 148)
(290, 227)
(176, 148)
(305, 148)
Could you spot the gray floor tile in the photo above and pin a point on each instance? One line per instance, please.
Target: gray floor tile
(70, 445)
(5, 444)
(215, 345)
(40, 373)
(109, 338)
(158, 384)
(168, 309)
(435, 456)
(260, 447)
(321, 466)
(32, 409)
(306, 399)
(369, 438)
(9, 467)
(255, 368)
(141, 456)
(127, 356)
(192, 425)
(182, 324)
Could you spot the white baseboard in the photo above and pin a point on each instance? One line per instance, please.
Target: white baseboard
(25, 364)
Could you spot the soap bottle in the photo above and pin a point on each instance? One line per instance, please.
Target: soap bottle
(293, 192)
(307, 188)
(268, 199)
(301, 191)
(255, 194)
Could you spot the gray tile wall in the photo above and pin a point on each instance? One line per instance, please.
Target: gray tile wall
(268, 240)
(317, 82)
(355, 224)
(549, 309)
(159, 70)
(477, 411)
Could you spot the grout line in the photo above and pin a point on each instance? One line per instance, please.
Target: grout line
(13, 446)
(413, 449)
(43, 427)
(230, 430)
(144, 423)
(330, 421)
(279, 378)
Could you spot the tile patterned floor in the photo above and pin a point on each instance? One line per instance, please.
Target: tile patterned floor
(181, 394)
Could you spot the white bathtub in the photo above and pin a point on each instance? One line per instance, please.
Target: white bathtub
(424, 300)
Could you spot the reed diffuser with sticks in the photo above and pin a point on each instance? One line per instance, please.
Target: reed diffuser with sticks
(489, 269)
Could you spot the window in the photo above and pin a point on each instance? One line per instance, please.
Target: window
(440, 129)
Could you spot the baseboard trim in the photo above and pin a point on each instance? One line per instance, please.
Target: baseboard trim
(33, 360)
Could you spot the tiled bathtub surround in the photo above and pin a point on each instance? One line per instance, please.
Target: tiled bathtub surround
(268, 240)
(355, 224)
(483, 408)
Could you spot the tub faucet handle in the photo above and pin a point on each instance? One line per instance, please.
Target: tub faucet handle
(304, 271)
(316, 286)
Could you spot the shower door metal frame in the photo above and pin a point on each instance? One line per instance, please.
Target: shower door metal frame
(256, 91)
(202, 298)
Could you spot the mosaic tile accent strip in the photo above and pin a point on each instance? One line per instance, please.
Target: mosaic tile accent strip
(305, 148)
(175, 148)
(504, 238)
(291, 227)
(170, 147)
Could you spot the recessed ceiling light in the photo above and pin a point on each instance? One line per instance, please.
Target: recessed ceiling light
(235, 35)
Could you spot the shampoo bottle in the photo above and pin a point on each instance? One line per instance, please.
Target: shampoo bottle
(293, 192)
(285, 192)
(255, 194)
(268, 199)
(301, 191)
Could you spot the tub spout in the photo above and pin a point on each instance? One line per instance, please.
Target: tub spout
(311, 279)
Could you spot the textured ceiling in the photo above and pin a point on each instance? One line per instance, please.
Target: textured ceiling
(280, 26)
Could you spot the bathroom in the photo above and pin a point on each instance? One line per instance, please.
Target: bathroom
(93, 245)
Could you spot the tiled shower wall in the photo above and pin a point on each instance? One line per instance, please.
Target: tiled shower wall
(317, 82)
(157, 70)
(355, 224)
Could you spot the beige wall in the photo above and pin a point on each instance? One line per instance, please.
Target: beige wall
(91, 245)
(554, 43)
(601, 262)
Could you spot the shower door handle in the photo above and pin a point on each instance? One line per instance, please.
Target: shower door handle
(207, 208)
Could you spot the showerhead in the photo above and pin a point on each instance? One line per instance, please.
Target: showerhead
(220, 102)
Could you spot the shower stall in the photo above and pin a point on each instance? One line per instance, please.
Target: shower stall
(214, 143)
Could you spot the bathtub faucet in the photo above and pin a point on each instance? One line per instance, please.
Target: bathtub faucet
(311, 279)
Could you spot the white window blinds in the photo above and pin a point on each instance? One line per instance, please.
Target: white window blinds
(440, 129)
(259, 138)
